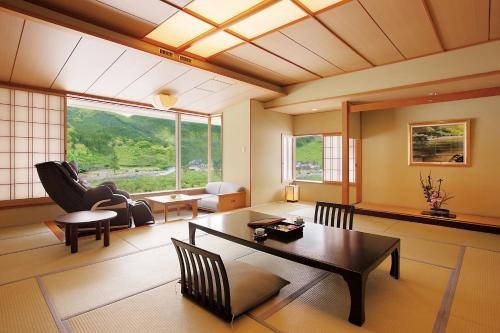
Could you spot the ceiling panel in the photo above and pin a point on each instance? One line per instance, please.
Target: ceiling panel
(130, 66)
(353, 24)
(461, 22)
(244, 66)
(180, 3)
(213, 85)
(406, 23)
(255, 55)
(214, 43)
(10, 33)
(316, 5)
(185, 82)
(89, 60)
(154, 11)
(318, 39)
(100, 14)
(219, 11)
(289, 49)
(272, 17)
(42, 53)
(190, 97)
(151, 81)
(179, 29)
(495, 19)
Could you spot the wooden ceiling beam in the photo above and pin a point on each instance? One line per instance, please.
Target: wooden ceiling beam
(430, 99)
(37, 12)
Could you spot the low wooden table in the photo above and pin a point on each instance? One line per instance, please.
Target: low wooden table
(352, 254)
(72, 220)
(167, 200)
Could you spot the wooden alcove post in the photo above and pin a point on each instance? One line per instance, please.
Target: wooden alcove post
(345, 152)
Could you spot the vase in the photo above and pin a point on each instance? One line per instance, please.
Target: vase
(440, 212)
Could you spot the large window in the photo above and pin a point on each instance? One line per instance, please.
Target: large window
(123, 145)
(216, 148)
(194, 151)
(316, 158)
(142, 150)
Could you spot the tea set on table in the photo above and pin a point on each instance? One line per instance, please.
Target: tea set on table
(260, 233)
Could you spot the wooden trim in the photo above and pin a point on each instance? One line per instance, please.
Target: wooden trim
(433, 24)
(178, 129)
(398, 103)
(55, 230)
(359, 169)
(61, 20)
(25, 202)
(462, 221)
(345, 152)
(209, 150)
(376, 91)
(437, 122)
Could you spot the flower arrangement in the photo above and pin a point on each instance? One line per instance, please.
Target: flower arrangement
(433, 193)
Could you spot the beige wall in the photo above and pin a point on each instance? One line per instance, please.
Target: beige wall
(387, 178)
(267, 128)
(313, 192)
(236, 145)
(28, 214)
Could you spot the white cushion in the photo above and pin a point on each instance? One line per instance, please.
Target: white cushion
(250, 285)
(210, 203)
(230, 188)
(213, 188)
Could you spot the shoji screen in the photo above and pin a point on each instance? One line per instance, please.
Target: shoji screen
(31, 131)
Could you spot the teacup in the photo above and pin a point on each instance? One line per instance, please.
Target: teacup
(259, 232)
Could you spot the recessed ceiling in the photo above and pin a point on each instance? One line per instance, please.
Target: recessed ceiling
(179, 29)
(220, 11)
(213, 44)
(275, 16)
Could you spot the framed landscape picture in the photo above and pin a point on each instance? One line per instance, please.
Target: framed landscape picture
(439, 143)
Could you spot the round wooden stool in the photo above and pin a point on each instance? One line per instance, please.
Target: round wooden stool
(72, 220)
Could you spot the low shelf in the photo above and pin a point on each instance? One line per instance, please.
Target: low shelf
(461, 221)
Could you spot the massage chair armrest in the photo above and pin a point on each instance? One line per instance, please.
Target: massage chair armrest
(104, 195)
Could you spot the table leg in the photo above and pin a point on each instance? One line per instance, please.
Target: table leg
(67, 234)
(98, 230)
(395, 263)
(192, 231)
(74, 238)
(165, 211)
(107, 228)
(194, 208)
(356, 283)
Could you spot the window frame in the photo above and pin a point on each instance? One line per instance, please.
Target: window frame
(323, 181)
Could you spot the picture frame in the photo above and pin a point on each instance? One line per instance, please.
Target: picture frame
(439, 143)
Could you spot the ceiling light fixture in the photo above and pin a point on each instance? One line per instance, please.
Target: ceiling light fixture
(213, 44)
(220, 11)
(314, 109)
(273, 17)
(179, 29)
(164, 101)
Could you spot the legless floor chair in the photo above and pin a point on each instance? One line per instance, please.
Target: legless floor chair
(228, 288)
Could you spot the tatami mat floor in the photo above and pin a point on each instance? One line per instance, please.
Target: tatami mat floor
(449, 283)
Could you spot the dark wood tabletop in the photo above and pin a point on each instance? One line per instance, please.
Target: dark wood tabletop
(86, 216)
(352, 254)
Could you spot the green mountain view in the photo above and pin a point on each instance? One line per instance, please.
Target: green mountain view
(138, 152)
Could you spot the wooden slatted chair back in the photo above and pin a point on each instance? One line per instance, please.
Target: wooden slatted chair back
(334, 215)
(204, 278)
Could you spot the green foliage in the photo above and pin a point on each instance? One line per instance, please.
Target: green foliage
(309, 149)
(100, 140)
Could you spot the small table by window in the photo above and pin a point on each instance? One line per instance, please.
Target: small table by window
(72, 220)
(167, 200)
